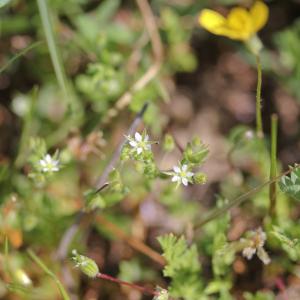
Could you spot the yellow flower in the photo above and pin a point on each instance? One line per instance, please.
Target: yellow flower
(240, 24)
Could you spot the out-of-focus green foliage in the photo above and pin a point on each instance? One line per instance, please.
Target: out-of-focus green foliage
(287, 42)
(59, 146)
(259, 296)
(291, 184)
(291, 246)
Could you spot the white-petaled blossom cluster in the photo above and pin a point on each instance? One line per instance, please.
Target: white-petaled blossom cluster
(256, 243)
(182, 175)
(140, 143)
(48, 164)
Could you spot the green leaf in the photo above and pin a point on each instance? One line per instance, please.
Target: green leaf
(178, 255)
(195, 152)
(216, 286)
(289, 245)
(106, 10)
(182, 266)
(223, 255)
(291, 184)
(266, 295)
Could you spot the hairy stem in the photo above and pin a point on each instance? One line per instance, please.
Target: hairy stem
(132, 285)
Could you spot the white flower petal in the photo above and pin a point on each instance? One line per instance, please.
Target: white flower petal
(139, 150)
(133, 144)
(184, 181)
(189, 174)
(263, 255)
(43, 163)
(48, 164)
(248, 252)
(175, 178)
(176, 169)
(48, 158)
(184, 168)
(146, 138)
(261, 236)
(138, 137)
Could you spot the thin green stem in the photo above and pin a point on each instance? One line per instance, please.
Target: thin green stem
(259, 127)
(55, 56)
(60, 287)
(6, 252)
(65, 85)
(273, 169)
(22, 52)
(237, 201)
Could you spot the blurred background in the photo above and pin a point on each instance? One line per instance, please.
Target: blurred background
(75, 103)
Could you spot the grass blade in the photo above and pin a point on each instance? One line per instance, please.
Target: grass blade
(61, 288)
(22, 52)
(214, 213)
(54, 53)
(272, 188)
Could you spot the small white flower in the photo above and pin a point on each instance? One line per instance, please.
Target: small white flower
(162, 294)
(249, 134)
(181, 175)
(139, 143)
(256, 244)
(48, 164)
(23, 277)
(248, 252)
(263, 255)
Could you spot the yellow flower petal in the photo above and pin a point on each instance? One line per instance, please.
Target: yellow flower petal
(217, 24)
(212, 21)
(259, 14)
(239, 21)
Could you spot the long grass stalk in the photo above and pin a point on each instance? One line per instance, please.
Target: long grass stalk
(213, 214)
(273, 168)
(19, 54)
(76, 113)
(53, 49)
(59, 285)
(259, 126)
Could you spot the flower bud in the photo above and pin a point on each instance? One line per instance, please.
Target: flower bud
(85, 264)
(169, 143)
(200, 178)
